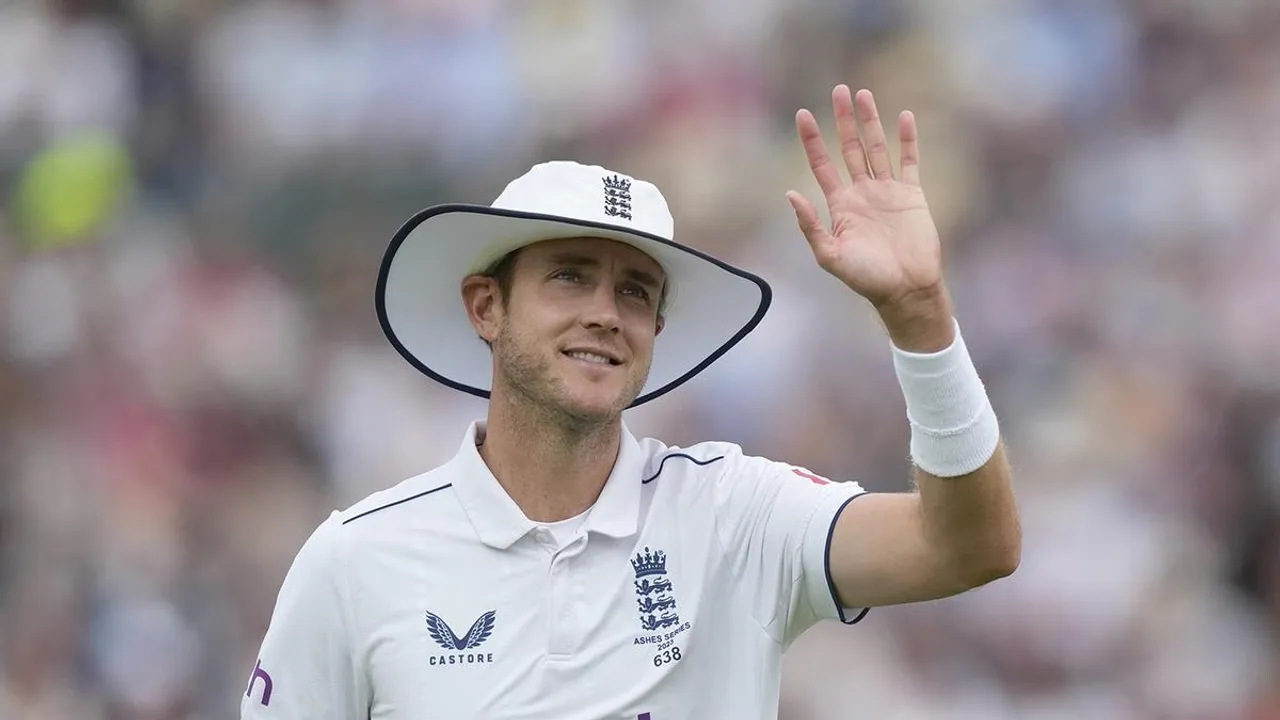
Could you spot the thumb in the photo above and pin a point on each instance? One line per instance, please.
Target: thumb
(807, 217)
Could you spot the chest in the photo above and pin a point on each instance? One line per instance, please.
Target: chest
(602, 628)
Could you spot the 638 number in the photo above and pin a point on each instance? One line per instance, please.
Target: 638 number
(666, 656)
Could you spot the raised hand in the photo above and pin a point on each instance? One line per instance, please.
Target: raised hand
(882, 241)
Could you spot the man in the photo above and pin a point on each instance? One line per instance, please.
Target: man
(558, 567)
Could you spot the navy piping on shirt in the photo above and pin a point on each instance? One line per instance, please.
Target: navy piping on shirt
(690, 458)
(398, 502)
(446, 485)
(831, 583)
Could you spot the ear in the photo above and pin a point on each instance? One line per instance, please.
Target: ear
(661, 323)
(482, 299)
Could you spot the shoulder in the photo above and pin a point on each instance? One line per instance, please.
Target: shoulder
(707, 461)
(718, 463)
(341, 546)
(399, 503)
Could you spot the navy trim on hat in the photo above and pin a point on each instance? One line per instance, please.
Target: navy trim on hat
(766, 293)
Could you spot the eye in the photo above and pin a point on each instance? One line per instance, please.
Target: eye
(568, 275)
(637, 291)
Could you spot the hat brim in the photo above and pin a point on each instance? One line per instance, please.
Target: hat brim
(711, 304)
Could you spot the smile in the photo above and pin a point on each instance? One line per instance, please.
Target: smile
(592, 357)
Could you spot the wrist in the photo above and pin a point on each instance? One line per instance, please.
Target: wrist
(920, 322)
(954, 430)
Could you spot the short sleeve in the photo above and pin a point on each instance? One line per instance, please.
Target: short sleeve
(305, 669)
(775, 522)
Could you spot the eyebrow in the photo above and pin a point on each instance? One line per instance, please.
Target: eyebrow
(577, 260)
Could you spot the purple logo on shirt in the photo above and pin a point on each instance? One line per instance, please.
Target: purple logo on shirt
(258, 672)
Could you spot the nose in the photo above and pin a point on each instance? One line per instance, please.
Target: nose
(601, 312)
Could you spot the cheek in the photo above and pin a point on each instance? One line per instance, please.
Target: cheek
(529, 326)
(550, 316)
(641, 338)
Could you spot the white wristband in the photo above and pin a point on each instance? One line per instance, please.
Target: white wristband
(953, 426)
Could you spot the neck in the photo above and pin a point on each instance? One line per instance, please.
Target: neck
(553, 468)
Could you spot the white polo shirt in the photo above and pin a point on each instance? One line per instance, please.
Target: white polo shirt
(674, 597)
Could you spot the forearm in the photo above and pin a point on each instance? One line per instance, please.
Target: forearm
(973, 520)
(969, 513)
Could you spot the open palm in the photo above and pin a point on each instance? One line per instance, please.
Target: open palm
(882, 242)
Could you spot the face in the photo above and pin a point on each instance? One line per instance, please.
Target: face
(575, 335)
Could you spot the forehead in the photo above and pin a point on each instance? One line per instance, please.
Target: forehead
(599, 250)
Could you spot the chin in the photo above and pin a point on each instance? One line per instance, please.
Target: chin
(595, 407)
(593, 402)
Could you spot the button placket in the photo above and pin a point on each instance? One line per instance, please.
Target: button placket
(561, 636)
(566, 598)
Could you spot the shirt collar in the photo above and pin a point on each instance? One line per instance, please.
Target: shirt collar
(499, 522)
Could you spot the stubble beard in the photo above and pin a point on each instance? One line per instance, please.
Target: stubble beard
(530, 378)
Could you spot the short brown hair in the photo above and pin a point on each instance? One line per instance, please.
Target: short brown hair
(504, 270)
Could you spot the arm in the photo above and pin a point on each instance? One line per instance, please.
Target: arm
(305, 669)
(952, 535)
(960, 528)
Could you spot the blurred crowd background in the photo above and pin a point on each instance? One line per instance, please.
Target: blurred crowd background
(195, 194)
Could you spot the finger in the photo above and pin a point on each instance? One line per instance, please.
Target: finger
(909, 142)
(824, 171)
(874, 141)
(809, 221)
(847, 127)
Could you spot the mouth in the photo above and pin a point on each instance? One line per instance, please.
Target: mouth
(595, 357)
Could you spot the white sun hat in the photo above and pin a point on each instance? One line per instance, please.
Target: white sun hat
(711, 304)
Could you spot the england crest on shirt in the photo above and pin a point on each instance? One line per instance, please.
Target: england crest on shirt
(655, 599)
(654, 596)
